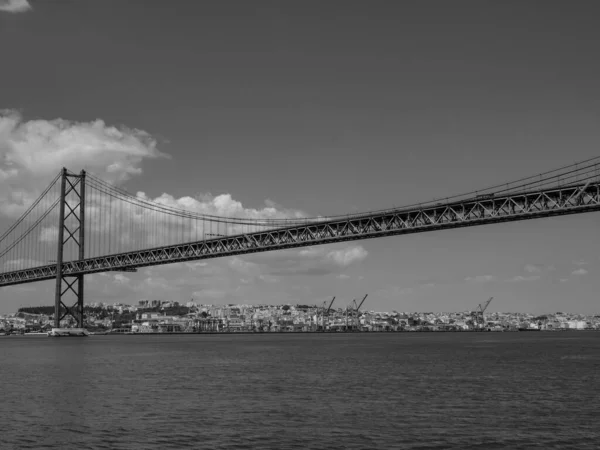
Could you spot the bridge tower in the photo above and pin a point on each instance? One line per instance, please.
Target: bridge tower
(71, 243)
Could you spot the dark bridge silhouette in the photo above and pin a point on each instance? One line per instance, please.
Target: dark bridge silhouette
(82, 225)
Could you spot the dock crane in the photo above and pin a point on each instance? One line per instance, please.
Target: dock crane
(325, 313)
(356, 310)
(479, 313)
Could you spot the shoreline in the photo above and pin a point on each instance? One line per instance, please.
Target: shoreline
(91, 333)
(324, 332)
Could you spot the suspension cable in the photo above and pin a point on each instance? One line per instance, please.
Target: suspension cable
(33, 205)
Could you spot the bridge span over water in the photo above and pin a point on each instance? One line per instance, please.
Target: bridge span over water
(82, 225)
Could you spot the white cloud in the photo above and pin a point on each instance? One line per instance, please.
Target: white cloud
(268, 278)
(156, 283)
(14, 6)
(522, 278)
(580, 262)
(563, 280)
(532, 268)
(307, 261)
(188, 230)
(480, 278)
(121, 279)
(343, 276)
(312, 260)
(581, 271)
(310, 252)
(347, 256)
(223, 205)
(32, 152)
(49, 234)
(195, 265)
(244, 267)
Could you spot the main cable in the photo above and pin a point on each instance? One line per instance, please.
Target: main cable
(31, 228)
(542, 179)
(33, 205)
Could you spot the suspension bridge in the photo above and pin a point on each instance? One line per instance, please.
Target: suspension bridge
(82, 225)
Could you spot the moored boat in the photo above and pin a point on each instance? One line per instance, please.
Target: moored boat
(68, 332)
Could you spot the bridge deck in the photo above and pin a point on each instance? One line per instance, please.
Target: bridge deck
(573, 199)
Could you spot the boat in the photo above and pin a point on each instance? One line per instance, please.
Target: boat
(68, 332)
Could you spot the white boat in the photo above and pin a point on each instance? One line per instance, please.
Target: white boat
(68, 332)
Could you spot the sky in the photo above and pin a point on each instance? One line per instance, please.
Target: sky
(321, 108)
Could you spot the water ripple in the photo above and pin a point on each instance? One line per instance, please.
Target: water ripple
(408, 391)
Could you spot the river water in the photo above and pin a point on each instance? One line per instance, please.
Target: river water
(297, 391)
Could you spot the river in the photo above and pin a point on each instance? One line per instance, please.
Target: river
(297, 391)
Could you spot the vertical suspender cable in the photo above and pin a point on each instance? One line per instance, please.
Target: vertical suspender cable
(110, 230)
(103, 226)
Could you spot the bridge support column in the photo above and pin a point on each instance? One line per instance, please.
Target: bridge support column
(71, 245)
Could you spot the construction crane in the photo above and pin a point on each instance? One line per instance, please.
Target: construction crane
(479, 313)
(325, 312)
(356, 310)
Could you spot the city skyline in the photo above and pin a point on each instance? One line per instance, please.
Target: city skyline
(365, 111)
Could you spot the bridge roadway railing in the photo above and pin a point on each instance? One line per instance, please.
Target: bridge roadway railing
(573, 199)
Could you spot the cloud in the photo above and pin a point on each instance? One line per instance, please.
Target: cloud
(14, 6)
(194, 265)
(580, 271)
(347, 256)
(480, 278)
(168, 230)
(162, 282)
(49, 234)
(268, 279)
(563, 280)
(258, 278)
(580, 262)
(343, 276)
(223, 205)
(244, 267)
(313, 260)
(522, 278)
(121, 279)
(32, 152)
(310, 261)
(533, 268)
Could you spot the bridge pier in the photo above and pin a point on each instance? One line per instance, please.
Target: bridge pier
(71, 228)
